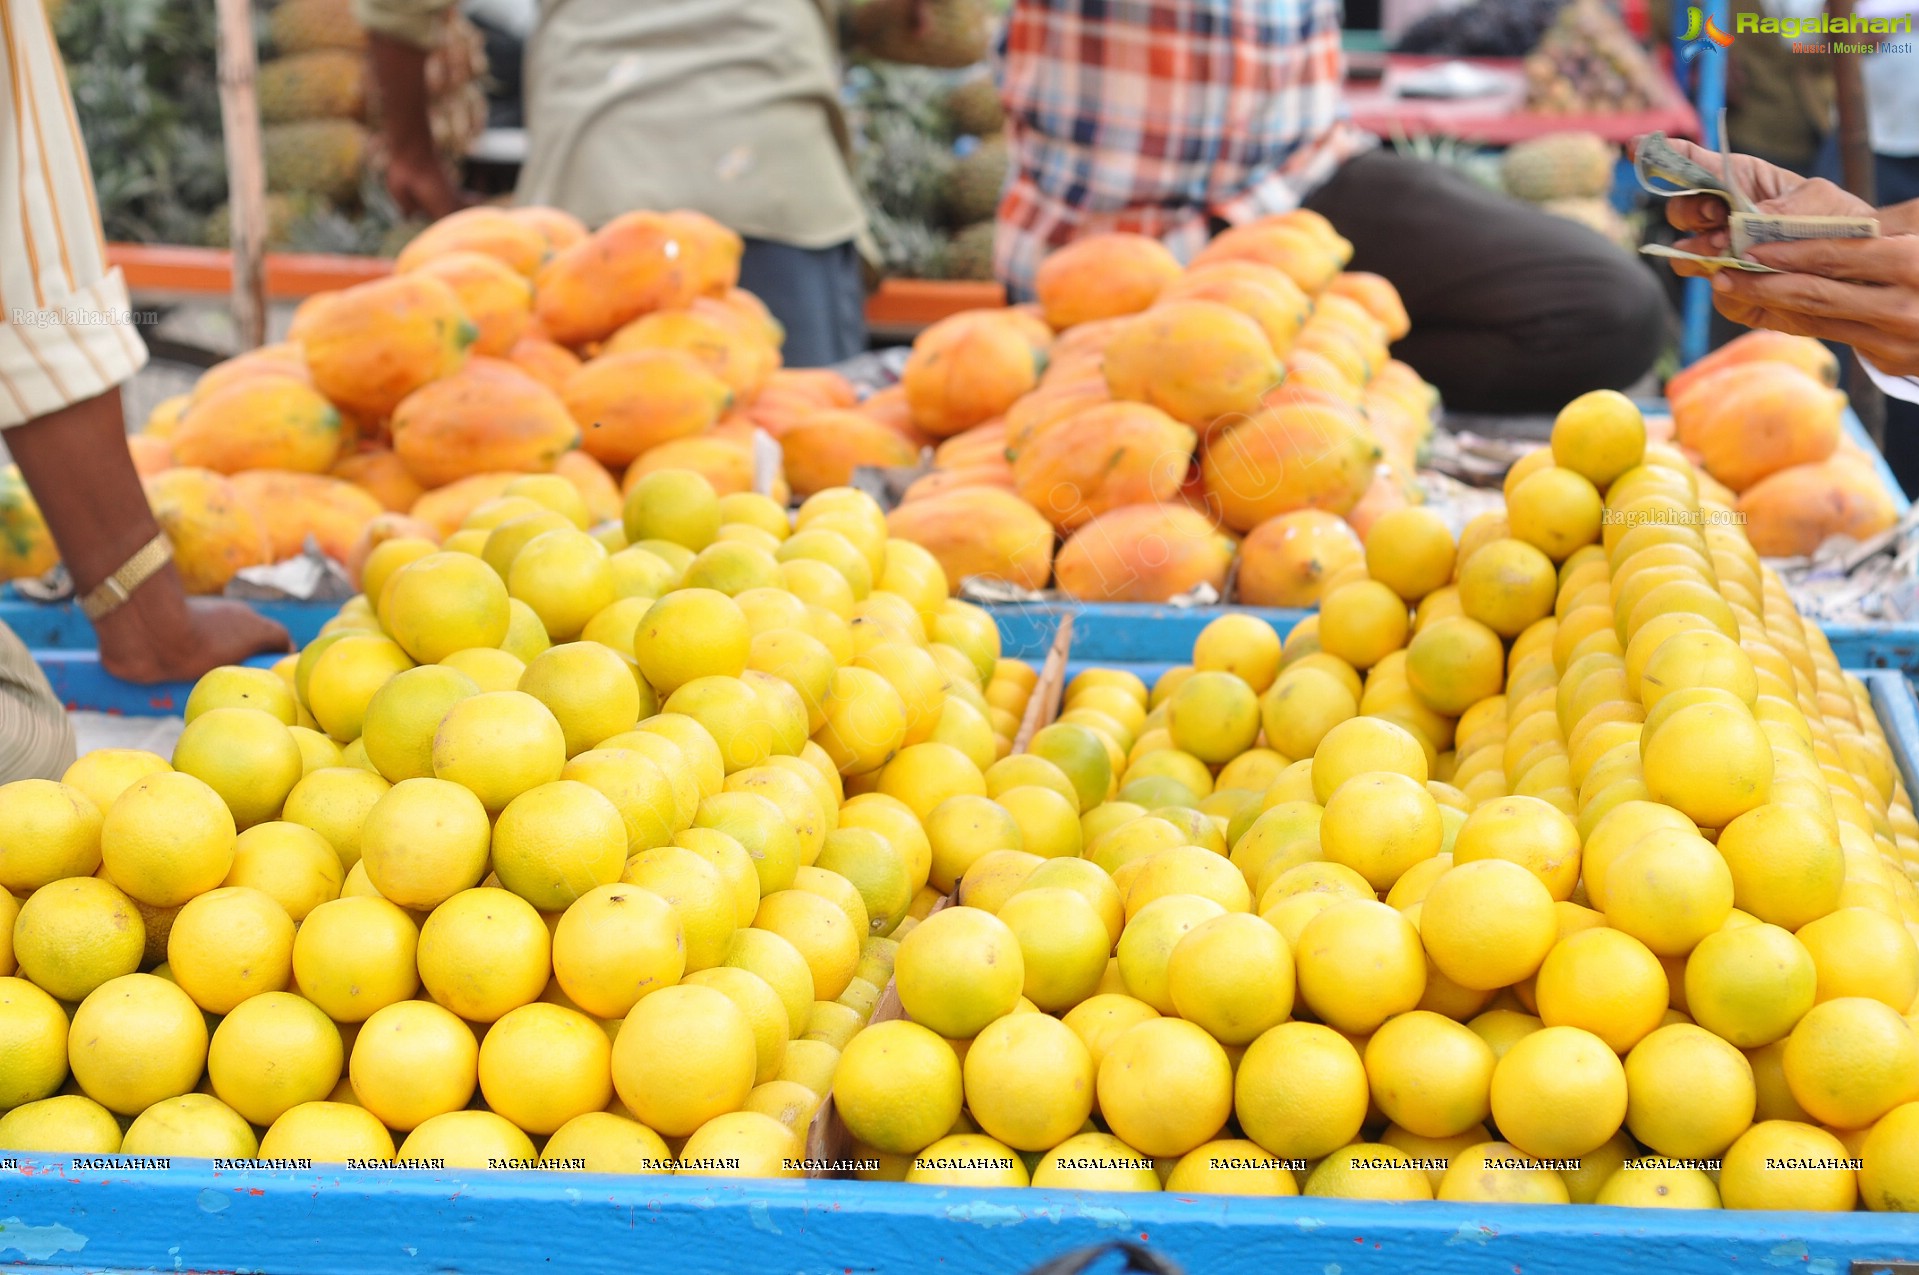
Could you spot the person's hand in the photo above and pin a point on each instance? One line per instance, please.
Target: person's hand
(420, 186)
(1861, 292)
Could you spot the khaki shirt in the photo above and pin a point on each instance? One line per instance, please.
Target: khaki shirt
(730, 107)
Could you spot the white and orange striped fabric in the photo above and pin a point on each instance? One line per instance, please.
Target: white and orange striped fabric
(66, 334)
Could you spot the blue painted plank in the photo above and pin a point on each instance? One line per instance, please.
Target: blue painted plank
(83, 686)
(1897, 708)
(340, 1223)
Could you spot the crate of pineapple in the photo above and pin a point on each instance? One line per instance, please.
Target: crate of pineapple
(1100, 1036)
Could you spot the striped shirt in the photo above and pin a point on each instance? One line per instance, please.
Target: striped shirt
(66, 333)
(1154, 116)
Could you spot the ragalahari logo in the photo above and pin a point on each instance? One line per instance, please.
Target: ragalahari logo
(1702, 35)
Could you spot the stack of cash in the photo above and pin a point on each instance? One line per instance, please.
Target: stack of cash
(1665, 172)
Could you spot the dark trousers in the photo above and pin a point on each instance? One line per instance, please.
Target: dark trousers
(1513, 310)
(817, 294)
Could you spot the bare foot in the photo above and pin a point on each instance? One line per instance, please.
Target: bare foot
(154, 638)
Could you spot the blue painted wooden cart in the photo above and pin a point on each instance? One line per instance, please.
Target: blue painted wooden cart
(194, 1218)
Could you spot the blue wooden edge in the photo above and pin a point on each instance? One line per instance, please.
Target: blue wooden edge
(1856, 431)
(191, 1217)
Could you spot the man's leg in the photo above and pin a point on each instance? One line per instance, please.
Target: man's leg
(77, 465)
(1513, 310)
(815, 293)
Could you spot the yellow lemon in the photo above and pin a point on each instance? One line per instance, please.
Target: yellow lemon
(734, 865)
(1231, 1166)
(968, 1160)
(820, 931)
(1506, 584)
(1369, 1171)
(53, 831)
(238, 686)
(1095, 1162)
(1243, 645)
(327, 1133)
(168, 838)
(1851, 1060)
(102, 775)
(1152, 1059)
(1655, 1182)
(498, 745)
(403, 715)
(412, 1061)
(1558, 1092)
(1360, 963)
(1860, 952)
(1301, 707)
(1889, 1176)
(467, 1140)
(1669, 890)
(762, 829)
(1600, 434)
(1233, 976)
(334, 803)
(1363, 622)
(1380, 824)
(959, 970)
(555, 842)
(1689, 1094)
(542, 1065)
(1362, 744)
(1487, 924)
(1556, 510)
(863, 722)
(490, 669)
(272, 1053)
(1605, 982)
(1454, 663)
(1029, 1081)
(565, 578)
(607, 1143)
(247, 756)
(1064, 943)
(700, 896)
(676, 505)
(442, 603)
(639, 790)
(1711, 762)
(292, 864)
(345, 678)
(1079, 753)
(483, 952)
(741, 1144)
(424, 841)
(689, 634)
(1483, 1174)
(1696, 658)
(193, 1124)
(76, 935)
(70, 1124)
(684, 1056)
(615, 945)
(1430, 1075)
(1750, 985)
(33, 1044)
(1617, 832)
(1785, 1164)
(136, 1040)
(1410, 551)
(1786, 864)
(228, 945)
(765, 1014)
(352, 957)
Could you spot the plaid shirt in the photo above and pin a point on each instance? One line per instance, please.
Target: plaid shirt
(1154, 116)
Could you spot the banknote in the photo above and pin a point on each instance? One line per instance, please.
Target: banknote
(1747, 231)
(1710, 264)
(1663, 171)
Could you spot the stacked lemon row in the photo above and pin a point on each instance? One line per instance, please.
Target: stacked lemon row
(1560, 862)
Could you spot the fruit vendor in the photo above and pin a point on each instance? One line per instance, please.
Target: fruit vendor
(67, 343)
(728, 107)
(1858, 292)
(1174, 118)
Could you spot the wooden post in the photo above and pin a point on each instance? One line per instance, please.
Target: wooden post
(246, 172)
(1856, 175)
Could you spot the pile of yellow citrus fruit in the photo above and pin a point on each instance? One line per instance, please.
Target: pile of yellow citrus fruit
(1555, 862)
(582, 848)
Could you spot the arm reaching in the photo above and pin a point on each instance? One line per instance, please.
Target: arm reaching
(399, 34)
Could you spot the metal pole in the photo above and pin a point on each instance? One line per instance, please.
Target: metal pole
(1709, 97)
(1856, 175)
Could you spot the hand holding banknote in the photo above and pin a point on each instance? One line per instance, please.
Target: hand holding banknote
(1862, 292)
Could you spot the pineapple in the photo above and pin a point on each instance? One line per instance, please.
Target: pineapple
(1560, 166)
(955, 32)
(328, 84)
(973, 187)
(307, 26)
(970, 255)
(315, 157)
(974, 108)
